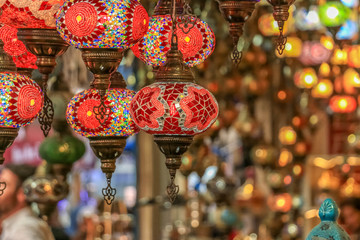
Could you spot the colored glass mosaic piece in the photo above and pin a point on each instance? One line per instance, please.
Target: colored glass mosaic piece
(174, 109)
(29, 13)
(102, 23)
(21, 100)
(196, 46)
(81, 117)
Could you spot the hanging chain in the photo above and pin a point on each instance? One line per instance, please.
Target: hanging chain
(187, 20)
(102, 112)
(2, 188)
(282, 40)
(109, 192)
(46, 115)
(172, 190)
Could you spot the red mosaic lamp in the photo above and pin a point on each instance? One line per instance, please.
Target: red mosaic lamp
(281, 15)
(102, 30)
(35, 21)
(108, 139)
(196, 40)
(174, 109)
(342, 104)
(236, 13)
(21, 101)
(24, 60)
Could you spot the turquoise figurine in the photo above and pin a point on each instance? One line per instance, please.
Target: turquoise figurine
(328, 229)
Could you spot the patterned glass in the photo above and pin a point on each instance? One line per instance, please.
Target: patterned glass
(102, 23)
(21, 100)
(196, 45)
(174, 109)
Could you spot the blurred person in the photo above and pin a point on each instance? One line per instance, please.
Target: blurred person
(350, 216)
(16, 217)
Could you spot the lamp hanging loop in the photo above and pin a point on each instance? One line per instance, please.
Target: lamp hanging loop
(109, 192)
(187, 20)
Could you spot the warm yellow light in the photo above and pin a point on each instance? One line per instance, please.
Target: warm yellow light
(324, 70)
(287, 135)
(340, 57)
(305, 78)
(89, 113)
(327, 42)
(323, 89)
(351, 138)
(32, 102)
(285, 157)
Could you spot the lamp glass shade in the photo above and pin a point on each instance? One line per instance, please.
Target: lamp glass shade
(306, 78)
(269, 27)
(29, 13)
(333, 14)
(21, 100)
(82, 118)
(102, 23)
(324, 89)
(354, 56)
(343, 104)
(167, 108)
(15, 48)
(314, 53)
(196, 45)
(287, 135)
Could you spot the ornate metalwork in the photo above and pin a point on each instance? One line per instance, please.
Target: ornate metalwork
(109, 192)
(46, 45)
(173, 147)
(108, 149)
(46, 191)
(236, 13)
(7, 137)
(236, 56)
(25, 71)
(281, 15)
(187, 20)
(102, 112)
(2, 188)
(6, 62)
(164, 7)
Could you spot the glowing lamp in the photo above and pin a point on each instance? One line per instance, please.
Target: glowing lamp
(351, 80)
(292, 48)
(347, 31)
(82, 118)
(102, 24)
(305, 78)
(340, 56)
(15, 48)
(327, 42)
(324, 89)
(196, 45)
(29, 13)
(343, 104)
(287, 135)
(350, 3)
(269, 27)
(333, 14)
(354, 56)
(264, 154)
(307, 19)
(314, 53)
(280, 202)
(324, 70)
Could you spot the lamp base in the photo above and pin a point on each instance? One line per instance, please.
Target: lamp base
(7, 137)
(173, 147)
(102, 62)
(108, 149)
(25, 71)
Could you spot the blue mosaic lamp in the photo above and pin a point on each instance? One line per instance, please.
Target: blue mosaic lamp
(328, 229)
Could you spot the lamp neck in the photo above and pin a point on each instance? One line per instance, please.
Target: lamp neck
(164, 7)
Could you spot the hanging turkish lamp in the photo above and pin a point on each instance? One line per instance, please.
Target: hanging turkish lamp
(21, 101)
(236, 13)
(23, 59)
(305, 78)
(107, 139)
(281, 15)
(343, 104)
(35, 21)
(196, 39)
(102, 30)
(324, 89)
(174, 109)
(333, 14)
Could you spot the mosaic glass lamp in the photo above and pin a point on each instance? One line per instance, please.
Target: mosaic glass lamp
(21, 101)
(174, 109)
(35, 21)
(24, 60)
(107, 139)
(333, 14)
(281, 15)
(328, 229)
(102, 30)
(236, 13)
(196, 44)
(343, 104)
